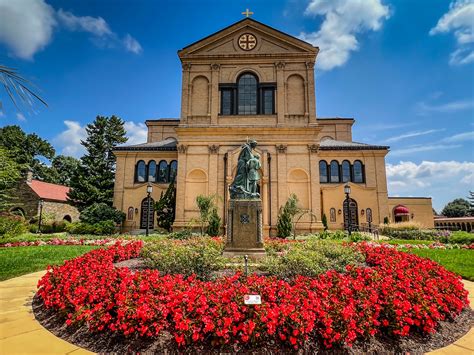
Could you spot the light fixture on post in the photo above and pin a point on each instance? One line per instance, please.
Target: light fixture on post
(347, 191)
(149, 190)
(40, 203)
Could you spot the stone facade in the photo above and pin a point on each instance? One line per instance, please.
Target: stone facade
(292, 140)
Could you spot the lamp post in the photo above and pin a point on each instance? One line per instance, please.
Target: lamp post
(41, 203)
(149, 190)
(347, 191)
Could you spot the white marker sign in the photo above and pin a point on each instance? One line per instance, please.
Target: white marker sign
(252, 299)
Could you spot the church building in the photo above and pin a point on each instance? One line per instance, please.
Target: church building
(246, 82)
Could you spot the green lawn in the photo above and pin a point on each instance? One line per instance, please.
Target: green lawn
(18, 261)
(407, 241)
(460, 261)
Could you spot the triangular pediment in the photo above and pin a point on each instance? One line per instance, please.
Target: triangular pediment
(265, 40)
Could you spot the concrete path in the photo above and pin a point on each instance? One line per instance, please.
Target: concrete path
(20, 333)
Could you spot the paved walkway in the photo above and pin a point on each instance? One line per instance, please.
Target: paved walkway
(20, 333)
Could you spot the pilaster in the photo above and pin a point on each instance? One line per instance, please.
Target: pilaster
(214, 93)
(179, 220)
(281, 92)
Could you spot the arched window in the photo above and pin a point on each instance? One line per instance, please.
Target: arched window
(152, 171)
(163, 171)
(140, 174)
(323, 171)
(358, 171)
(173, 170)
(346, 171)
(334, 171)
(130, 213)
(247, 95)
(332, 215)
(368, 215)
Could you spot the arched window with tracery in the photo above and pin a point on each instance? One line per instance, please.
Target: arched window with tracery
(358, 171)
(130, 213)
(247, 94)
(332, 215)
(346, 171)
(152, 171)
(334, 171)
(163, 172)
(323, 171)
(140, 172)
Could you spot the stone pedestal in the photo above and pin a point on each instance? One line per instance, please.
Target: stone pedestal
(245, 229)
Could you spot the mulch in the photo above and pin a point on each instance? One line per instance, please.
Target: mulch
(108, 342)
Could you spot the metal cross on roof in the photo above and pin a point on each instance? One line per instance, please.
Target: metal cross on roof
(247, 13)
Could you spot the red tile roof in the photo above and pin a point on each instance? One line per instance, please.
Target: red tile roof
(49, 191)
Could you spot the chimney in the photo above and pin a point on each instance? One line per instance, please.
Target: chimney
(29, 176)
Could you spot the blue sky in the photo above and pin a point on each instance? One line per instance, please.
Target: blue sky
(403, 69)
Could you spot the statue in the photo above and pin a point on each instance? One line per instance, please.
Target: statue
(246, 179)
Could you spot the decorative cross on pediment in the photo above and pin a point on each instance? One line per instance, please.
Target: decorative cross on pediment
(247, 13)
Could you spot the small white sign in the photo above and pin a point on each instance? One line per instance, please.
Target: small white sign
(252, 299)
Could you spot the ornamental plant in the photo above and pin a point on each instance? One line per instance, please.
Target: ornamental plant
(394, 295)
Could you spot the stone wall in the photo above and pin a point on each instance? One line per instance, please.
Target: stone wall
(421, 209)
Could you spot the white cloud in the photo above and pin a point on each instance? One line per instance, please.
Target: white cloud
(424, 108)
(69, 141)
(422, 148)
(132, 45)
(412, 134)
(461, 137)
(136, 132)
(2, 114)
(26, 26)
(459, 20)
(95, 25)
(343, 20)
(444, 180)
(20, 117)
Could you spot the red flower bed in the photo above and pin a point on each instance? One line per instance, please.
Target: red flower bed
(399, 294)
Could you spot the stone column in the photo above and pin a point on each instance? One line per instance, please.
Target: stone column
(214, 93)
(281, 175)
(185, 89)
(179, 221)
(281, 92)
(315, 186)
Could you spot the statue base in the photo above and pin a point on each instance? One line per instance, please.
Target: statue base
(245, 229)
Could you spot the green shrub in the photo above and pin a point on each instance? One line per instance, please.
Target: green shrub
(214, 226)
(359, 237)
(199, 256)
(285, 217)
(461, 237)
(11, 225)
(324, 221)
(101, 228)
(99, 212)
(311, 258)
(50, 227)
(183, 234)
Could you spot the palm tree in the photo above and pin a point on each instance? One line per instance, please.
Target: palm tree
(18, 88)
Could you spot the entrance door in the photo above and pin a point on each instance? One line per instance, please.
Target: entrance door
(354, 217)
(147, 214)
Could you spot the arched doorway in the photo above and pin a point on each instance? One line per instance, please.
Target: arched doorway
(67, 218)
(147, 214)
(354, 216)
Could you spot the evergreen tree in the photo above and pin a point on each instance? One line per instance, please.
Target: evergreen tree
(10, 173)
(93, 181)
(471, 203)
(324, 220)
(165, 207)
(214, 226)
(64, 168)
(285, 217)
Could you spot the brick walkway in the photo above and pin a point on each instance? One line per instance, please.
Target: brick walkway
(20, 333)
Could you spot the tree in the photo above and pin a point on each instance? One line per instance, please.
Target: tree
(214, 226)
(10, 173)
(471, 203)
(165, 207)
(324, 220)
(456, 208)
(285, 217)
(100, 212)
(65, 168)
(18, 88)
(93, 181)
(27, 150)
(205, 205)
